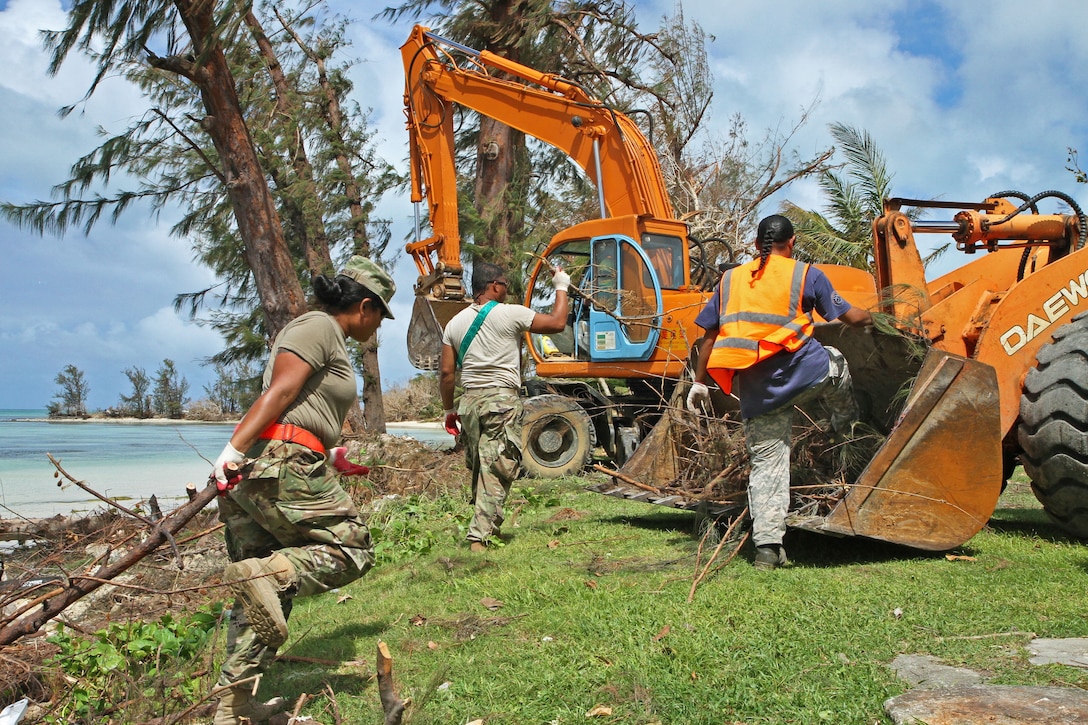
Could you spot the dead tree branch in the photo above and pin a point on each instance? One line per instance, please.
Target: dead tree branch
(392, 705)
(76, 588)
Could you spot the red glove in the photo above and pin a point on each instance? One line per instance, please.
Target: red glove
(340, 462)
(227, 469)
(225, 488)
(233, 475)
(453, 423)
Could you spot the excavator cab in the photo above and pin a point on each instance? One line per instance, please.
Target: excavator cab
(616, 302)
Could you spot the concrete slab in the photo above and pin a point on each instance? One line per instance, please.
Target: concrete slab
(989, 705)
(928, 672)
(1072, 651)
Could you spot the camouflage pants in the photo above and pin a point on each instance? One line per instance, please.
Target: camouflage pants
(491, 426)
(768, 440)
(291, 503)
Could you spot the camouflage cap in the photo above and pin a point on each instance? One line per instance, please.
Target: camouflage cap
(374, 278)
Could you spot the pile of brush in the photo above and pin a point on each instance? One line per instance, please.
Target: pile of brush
(713, 465)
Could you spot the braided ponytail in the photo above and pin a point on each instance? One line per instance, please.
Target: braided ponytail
(764, 244)
(773, 230)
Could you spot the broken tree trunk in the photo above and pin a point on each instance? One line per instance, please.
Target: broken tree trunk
(59, 598)
(392, 705)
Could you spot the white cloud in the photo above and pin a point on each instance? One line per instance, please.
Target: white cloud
(963, 103)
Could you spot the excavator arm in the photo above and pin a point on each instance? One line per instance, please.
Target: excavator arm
(441, 74)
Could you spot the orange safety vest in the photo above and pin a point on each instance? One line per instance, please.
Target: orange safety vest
(759, 316)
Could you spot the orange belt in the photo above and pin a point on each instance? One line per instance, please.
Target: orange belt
(292, 434)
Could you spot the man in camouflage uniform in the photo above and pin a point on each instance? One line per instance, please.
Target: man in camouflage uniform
(484, 341)
(759, 344)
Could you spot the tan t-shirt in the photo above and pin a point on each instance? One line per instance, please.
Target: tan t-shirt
(494, 357)
(325, 398)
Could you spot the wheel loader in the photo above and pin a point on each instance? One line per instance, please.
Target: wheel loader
(1003, 378)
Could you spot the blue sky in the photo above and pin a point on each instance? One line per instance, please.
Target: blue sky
(965, 99)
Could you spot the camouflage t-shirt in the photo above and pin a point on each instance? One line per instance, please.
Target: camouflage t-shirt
(325, 398)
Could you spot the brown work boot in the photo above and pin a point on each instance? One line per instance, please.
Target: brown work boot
(237, 705)
(477, 547)
(257, 583)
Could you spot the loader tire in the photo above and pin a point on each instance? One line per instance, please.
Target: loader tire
(556, 437)
(1053, 430)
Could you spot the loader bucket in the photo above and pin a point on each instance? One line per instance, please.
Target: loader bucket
(429, 318)
(936, 480)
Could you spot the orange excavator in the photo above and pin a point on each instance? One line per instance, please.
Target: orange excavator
(1002, 381)
(643, 279)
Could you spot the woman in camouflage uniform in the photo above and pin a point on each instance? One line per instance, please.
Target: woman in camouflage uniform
(291, 530)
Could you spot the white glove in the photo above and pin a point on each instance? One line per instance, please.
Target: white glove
(560, 279)
(698, 397)
(230, 454)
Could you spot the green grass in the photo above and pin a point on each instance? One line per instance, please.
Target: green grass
(595, 612)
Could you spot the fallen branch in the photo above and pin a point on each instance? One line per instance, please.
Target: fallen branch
(626, 479)
(1030, 635)
(164, 592)
(583, 542)
(331, 695)
(104, 499)
(392, 705)
(150, 523)
(318, 661)
(725, 537)
(75, 589)
(215, 692)
(302, 700)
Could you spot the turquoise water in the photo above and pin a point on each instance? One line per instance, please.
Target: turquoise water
(126, 461)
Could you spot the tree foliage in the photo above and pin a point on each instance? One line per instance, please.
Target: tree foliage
(249, 132)
(138, 402)
(661, 78)
(514, 200)
(168, 396)
(71, 398)
(855, 191)
(1073, 166)
(234, 389)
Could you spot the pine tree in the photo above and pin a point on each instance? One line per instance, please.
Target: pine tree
(71, 399)
(251, 134)
(138, 403)
(168, 394)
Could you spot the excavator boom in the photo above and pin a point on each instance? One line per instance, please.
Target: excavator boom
(441, 75)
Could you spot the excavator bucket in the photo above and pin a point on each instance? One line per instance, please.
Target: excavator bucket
(429, 318)
(655, 460)
(936, 480)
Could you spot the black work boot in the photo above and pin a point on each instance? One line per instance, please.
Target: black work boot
(769, 557)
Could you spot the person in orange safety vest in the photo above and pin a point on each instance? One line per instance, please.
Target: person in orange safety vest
(758, 344)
